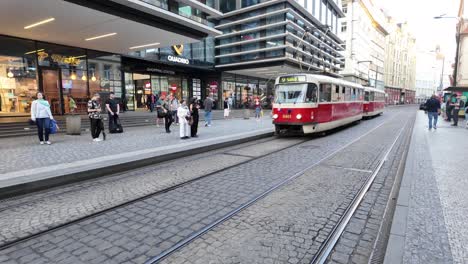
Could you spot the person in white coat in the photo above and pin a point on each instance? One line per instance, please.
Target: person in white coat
(183, 113)
(41, 115)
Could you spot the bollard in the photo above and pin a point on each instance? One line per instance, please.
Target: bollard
(73, 125)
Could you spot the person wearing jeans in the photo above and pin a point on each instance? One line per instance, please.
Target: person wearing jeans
(433, 110)
(208, 106)
(41, 115)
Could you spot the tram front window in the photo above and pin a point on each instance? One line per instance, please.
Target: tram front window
(296, 93)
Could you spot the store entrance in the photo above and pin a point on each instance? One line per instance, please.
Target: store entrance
(52, 89)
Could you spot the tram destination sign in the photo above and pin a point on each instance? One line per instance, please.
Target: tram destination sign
(291, 79)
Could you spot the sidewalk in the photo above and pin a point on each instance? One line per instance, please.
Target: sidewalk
(24, 161)
(429, 225)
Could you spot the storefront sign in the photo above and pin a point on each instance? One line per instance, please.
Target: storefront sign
(178, 49)
(290, 79)
(73, 61)
(160, 71)
(178, 59)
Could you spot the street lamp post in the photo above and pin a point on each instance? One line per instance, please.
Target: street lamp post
(368, 70)
(457, 52)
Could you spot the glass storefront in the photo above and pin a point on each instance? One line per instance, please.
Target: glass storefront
(244, 90)
(62, 73)
(18, 71)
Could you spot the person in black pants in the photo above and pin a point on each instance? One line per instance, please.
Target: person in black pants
(456, 108)
(194, 107)
(94, 114)
(449, 109)
(113, 110)
(166, 107)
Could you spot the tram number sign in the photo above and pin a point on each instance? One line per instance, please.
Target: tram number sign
(286, 116)
(291, 79)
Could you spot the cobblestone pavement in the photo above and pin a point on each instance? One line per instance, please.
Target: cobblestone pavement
(26, 153)
(289, 225)
(358, 240)
(138, 231)
(437, 230)
(31, 214)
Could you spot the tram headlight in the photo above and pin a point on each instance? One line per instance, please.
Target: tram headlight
(298, 116)
(275, 116)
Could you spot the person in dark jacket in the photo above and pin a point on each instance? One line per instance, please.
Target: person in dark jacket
(433, 110)
(194, 107)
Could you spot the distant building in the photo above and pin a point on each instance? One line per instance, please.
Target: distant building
(364, 31)
(400, 61)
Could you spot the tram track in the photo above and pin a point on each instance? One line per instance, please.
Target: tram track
(232, 213)
(284, 182)
(152, 194)
(326, 248)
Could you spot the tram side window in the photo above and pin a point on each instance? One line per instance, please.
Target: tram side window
(325, 92)
(336, 93)
(353, 96)
(347, 95)
(366, 96)
(311, 94)
(371, 96)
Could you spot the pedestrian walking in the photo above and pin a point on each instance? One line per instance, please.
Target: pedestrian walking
(258, 108)
(194, 107)
(433, 111)
(466, 116)
(94, 114)
(166, 113)
(151, 101)
(457, 104)
(42, 116)
(230, 101)
(174, 108)
(449, 109)
(113, 110)
(183, 114)
(208, 107)
(227, 108)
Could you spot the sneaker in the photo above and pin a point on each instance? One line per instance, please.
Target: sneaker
(209, 125)
(41, 143)
(98, 139)
(206, 124)
(48, 142)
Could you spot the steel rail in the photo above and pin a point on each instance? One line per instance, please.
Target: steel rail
(330, 242)
(159, 192)
(230, 214)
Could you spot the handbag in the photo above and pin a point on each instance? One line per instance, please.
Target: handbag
(53, 126)
(161, 112)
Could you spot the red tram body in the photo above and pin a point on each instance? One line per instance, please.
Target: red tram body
(374, 102)
(309, 103)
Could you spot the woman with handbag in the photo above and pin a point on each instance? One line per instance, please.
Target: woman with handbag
(183, 114)
(41, 115)
(194, 107)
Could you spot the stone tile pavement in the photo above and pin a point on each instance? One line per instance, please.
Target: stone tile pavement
(429, 225)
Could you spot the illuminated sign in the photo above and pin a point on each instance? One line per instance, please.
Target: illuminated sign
(178, 49)
(291, 79)
(178, 59)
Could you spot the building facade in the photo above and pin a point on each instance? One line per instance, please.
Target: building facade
(76, 48)
(364, 31)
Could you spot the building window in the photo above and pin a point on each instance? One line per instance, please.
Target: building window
(345, 8)
(227, 5)
(107, 71)
(343, 26)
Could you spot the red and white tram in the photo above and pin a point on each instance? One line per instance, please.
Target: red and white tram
(374, 102)
(309, 103)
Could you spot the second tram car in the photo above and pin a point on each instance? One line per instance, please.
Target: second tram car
(310, 103)
(374, 102)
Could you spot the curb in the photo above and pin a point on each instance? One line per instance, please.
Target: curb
(24, 184)
(396, 240)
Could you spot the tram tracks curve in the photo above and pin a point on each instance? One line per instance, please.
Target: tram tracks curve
(327, 246)
(152, 194)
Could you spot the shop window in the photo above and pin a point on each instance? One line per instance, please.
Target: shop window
(18, 86)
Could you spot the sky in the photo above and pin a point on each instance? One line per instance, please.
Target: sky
(428, 31)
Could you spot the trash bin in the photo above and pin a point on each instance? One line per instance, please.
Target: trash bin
(246, 113)
(73, 124)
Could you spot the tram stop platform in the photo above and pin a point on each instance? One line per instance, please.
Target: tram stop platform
(26, 166)
(429, 224)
